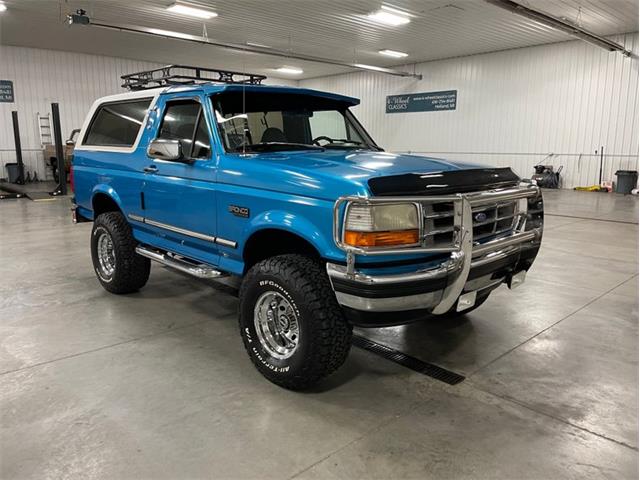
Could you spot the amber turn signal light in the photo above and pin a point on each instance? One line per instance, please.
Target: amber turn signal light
(381, 239)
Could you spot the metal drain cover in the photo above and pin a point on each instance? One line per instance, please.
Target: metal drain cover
(415, 364)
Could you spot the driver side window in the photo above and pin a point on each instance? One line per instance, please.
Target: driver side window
(328, 123)
(184, 121)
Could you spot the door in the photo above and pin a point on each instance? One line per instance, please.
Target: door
(179, 197)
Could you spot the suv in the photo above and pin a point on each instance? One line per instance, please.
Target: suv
(284, 187)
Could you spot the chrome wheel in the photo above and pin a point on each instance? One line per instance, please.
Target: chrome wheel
(106, 254)
(276, 325)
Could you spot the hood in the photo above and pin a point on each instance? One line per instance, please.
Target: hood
(327, 174)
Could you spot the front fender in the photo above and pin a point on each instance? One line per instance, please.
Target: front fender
(292, 223)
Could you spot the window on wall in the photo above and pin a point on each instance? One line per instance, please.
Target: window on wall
(117, 124)
(184, 121)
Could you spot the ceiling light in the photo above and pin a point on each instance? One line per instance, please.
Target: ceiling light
(170, 33)
(191, 11)
(369, 67)
(390, 16)
(393, 53)
(290, 70)
(259, 45)
(3, 7)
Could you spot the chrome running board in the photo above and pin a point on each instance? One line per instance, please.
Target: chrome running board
(200, 270)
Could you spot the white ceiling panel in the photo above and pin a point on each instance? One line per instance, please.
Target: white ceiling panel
(324, 28)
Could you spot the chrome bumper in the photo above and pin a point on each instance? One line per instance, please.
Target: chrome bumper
(436, 289)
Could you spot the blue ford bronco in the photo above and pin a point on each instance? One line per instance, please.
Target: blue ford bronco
(284, 188)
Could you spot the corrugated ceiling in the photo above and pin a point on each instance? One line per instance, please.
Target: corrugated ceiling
(324, 28)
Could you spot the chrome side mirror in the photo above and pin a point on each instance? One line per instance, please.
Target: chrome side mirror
(163, 149)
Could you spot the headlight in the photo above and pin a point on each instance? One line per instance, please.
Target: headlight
(381, 225)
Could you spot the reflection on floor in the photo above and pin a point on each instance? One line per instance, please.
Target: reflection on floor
(157, 384)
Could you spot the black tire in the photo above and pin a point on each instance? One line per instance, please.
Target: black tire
(453, 314)
(131, 271)
(324, 335)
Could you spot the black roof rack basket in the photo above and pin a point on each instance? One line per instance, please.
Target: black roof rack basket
(186, 75)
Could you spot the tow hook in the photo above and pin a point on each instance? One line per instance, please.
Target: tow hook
(516, 279)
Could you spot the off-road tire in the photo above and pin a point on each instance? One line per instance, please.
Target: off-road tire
(324, 333)
(131, 270)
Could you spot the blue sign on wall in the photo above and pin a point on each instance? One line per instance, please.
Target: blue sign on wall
(422, 102)
(6, 91)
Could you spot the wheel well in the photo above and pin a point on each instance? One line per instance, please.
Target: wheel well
(271, 242)
(103, 203)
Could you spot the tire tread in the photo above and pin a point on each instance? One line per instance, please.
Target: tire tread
(331, 331)
(132, 270)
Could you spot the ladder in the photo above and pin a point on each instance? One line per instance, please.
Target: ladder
(44, 128)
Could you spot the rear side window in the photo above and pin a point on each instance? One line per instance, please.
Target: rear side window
(117, 124)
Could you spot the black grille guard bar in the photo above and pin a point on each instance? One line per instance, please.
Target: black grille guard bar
(462, 249)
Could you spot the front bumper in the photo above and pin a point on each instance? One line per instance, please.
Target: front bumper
(476, 268)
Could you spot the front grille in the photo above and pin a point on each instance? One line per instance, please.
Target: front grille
(438, 224)
(488, 220)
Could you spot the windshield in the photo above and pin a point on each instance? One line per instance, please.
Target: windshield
(262, 121)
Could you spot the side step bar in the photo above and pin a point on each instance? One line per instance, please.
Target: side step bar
(199, 270)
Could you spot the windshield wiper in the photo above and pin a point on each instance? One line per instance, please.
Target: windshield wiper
(266, 146)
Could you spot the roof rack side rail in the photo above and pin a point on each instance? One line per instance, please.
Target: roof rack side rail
(186, 75)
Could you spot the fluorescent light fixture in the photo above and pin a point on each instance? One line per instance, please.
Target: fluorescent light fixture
(390, 16)
(191, 11)
(393, 53)
(170, 33)
(290, 70)
(3, 7)
(369, 67)
(259, 45)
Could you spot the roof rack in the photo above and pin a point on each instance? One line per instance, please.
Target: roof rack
(186, 75)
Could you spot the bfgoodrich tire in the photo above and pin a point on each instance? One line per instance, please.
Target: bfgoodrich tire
(113, 250)
(291, 324)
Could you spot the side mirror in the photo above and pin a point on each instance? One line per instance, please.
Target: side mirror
(162, 149)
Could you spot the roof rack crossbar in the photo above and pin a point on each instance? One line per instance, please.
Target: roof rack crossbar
(186, 75)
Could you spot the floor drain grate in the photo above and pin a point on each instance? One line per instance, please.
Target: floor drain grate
(433, 371)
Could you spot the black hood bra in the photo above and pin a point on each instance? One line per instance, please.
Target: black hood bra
(443, 183)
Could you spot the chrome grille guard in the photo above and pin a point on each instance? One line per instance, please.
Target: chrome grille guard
(462, 249)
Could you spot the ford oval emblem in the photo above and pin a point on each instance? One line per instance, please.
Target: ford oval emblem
(480, 217)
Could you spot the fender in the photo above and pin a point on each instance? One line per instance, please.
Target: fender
(292, 223)
(107, 190)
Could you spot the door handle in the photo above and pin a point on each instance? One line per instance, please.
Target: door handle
(150, 169)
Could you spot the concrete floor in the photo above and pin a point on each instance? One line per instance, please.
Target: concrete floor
(157, 384)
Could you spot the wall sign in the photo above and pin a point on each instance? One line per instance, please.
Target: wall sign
(6, 91)
(422, 102)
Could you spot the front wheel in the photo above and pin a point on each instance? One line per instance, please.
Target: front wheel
(291, 324)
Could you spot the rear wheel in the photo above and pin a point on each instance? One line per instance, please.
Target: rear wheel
(113, 251)
(291, 324)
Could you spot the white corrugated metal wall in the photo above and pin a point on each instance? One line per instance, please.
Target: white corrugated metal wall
(41, 77)
(554, 104)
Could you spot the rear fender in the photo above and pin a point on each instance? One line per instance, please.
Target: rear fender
(108, 191)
